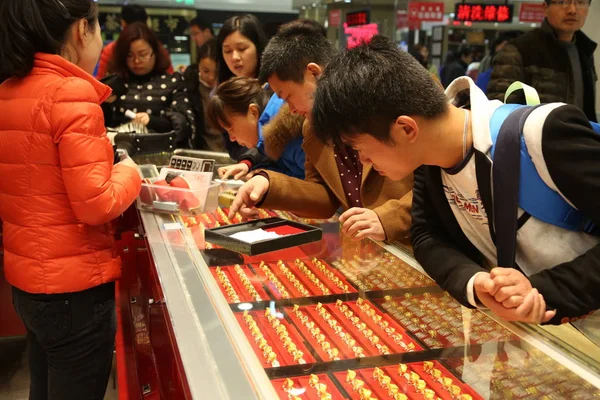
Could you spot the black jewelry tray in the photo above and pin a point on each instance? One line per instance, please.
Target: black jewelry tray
(305, 234)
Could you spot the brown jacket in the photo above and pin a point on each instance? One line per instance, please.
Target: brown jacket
(321, 193)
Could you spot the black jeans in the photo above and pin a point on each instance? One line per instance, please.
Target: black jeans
(71, 339)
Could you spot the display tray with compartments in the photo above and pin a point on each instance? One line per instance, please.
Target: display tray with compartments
(336, 319)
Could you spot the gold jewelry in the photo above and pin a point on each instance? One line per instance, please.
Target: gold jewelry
(365, 394)
(350, 376)
(333, 353)
(287, 384)
(427, 366)
(357, 384)
(321, 388)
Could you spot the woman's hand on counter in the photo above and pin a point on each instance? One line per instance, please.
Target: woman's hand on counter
(237, 171)
(361, 223)
(251, 193)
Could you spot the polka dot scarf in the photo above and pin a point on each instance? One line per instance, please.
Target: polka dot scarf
(350, 169)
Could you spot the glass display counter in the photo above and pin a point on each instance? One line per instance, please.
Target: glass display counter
(338, 319)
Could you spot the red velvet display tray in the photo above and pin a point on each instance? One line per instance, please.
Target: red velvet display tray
(404, 386)
(305, 387)
(274, 340)
(238, 286)
(337, 340)
(220, 218)
(439, 321)
(303, 280)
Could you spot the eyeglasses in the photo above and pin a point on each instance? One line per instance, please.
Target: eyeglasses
(567, 3)
(142, 57)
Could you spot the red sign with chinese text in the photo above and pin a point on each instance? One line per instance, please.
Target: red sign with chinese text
(425, 12)
(402, 21)
(358, 18)
(531, 12)
(335, 17)
(481, 12)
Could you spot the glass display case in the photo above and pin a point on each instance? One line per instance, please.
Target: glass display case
(339, 319)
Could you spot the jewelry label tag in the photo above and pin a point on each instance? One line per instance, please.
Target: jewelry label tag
(173, 226)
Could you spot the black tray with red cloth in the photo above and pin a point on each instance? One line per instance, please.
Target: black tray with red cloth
(292, 234)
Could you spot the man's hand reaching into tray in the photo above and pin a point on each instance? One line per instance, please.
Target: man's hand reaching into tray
(251, 193)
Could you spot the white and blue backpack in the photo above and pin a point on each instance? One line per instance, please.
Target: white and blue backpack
(516, 182)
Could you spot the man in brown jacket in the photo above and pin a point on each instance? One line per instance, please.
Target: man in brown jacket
(376, 207)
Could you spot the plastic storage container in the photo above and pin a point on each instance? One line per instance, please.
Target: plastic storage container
(163, 198)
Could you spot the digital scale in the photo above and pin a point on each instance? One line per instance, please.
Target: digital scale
(191, 164)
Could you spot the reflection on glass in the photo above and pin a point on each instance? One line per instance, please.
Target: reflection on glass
(338, 319)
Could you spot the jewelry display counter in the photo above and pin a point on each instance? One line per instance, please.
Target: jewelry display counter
(334, 319)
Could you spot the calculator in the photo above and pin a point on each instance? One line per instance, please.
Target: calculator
(192, 164)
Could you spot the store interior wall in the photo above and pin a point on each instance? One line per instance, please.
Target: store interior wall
(591, 29)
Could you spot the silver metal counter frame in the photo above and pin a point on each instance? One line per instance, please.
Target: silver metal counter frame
(218, 360)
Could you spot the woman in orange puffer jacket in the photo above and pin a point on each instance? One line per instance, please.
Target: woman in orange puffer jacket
(58, 193)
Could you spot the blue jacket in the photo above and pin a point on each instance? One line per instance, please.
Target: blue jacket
(291, 160)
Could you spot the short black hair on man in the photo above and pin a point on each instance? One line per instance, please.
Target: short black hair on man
(297, 44)
(365, 89)
(134, 13)
(201, 24)
(464, 50)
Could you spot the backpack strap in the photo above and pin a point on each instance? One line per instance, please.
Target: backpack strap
(513, 172)
(506, 172)
(532, 98)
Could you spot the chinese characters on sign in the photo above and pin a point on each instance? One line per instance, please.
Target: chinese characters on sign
(481, 12)
(531, 12)
(424, 12)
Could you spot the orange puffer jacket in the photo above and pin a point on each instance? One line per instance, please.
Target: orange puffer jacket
(59, 189)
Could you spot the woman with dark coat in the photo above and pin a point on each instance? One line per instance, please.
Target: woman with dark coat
(157, 100)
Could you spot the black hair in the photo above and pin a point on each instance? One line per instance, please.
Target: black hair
(297, 44)
(208, 50)
(134, 13)
(464, 50)
(249, 26)
(365, 89)
(31, 26)
(131, 33)
(235, 96)
(418, 56)
(202, 25)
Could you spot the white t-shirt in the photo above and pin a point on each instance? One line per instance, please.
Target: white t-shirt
(539, 245)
